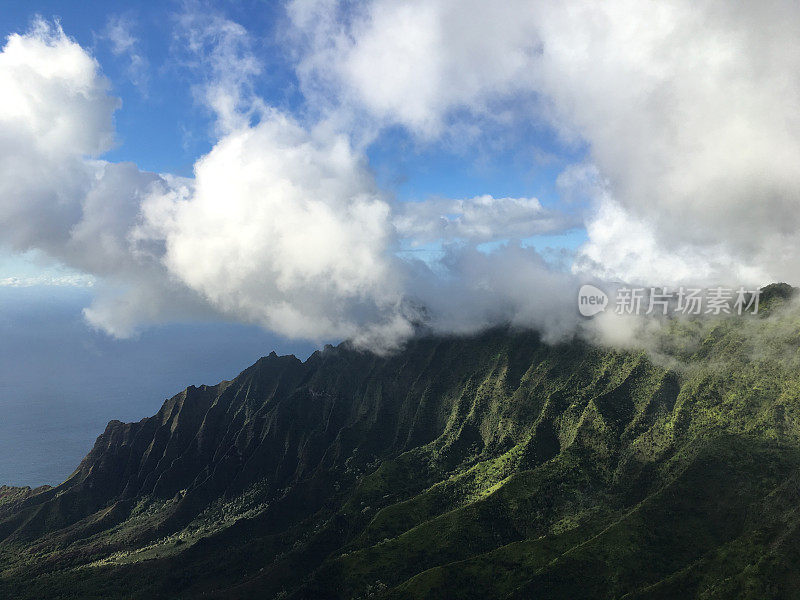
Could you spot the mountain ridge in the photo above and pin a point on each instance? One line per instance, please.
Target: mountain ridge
(485, 466)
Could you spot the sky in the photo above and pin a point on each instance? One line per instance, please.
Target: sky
(352, 170)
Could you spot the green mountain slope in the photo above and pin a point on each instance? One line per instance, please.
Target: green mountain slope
(494, 466)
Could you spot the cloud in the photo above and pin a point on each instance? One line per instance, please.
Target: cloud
(469, 290)
(54, 112)
(279, 226)
(479, 219)
(76, 280)
(119, 33)
(284, 228)
(56, 197)
(622, 246)
(221, 51)
(413, 62)
(688, 109)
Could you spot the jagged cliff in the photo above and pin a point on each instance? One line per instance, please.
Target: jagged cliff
(484, 467)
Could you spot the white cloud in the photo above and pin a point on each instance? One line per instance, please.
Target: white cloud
(689, 111)
(280, 226)
(220, 50)
(479, 219)
(413, 62)
(119, 33)
(55, 115)
(76, 280)
(469, 290)
(624, 247)
(54, 111)
(688, 108)
(284, 225)
(284, 228)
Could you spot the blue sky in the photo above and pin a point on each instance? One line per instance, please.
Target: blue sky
(151, 122)
(161, 126)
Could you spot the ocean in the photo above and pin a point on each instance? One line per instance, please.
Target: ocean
(61, 381)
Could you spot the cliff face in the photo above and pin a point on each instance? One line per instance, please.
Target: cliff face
(482, 467)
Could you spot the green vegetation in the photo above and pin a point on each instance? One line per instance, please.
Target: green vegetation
(493, 466)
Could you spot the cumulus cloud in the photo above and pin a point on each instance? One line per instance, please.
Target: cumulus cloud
(413, 62)
(56, 197)
(280, 226)
(622, 246)
(688, 108)
(283, 228)
(54, 111)
(687, 112)
(283, 225)
(469, 290)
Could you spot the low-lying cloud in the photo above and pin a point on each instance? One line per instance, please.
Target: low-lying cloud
(687, 112)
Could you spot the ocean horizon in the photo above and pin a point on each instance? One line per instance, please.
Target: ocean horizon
(61, 381)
